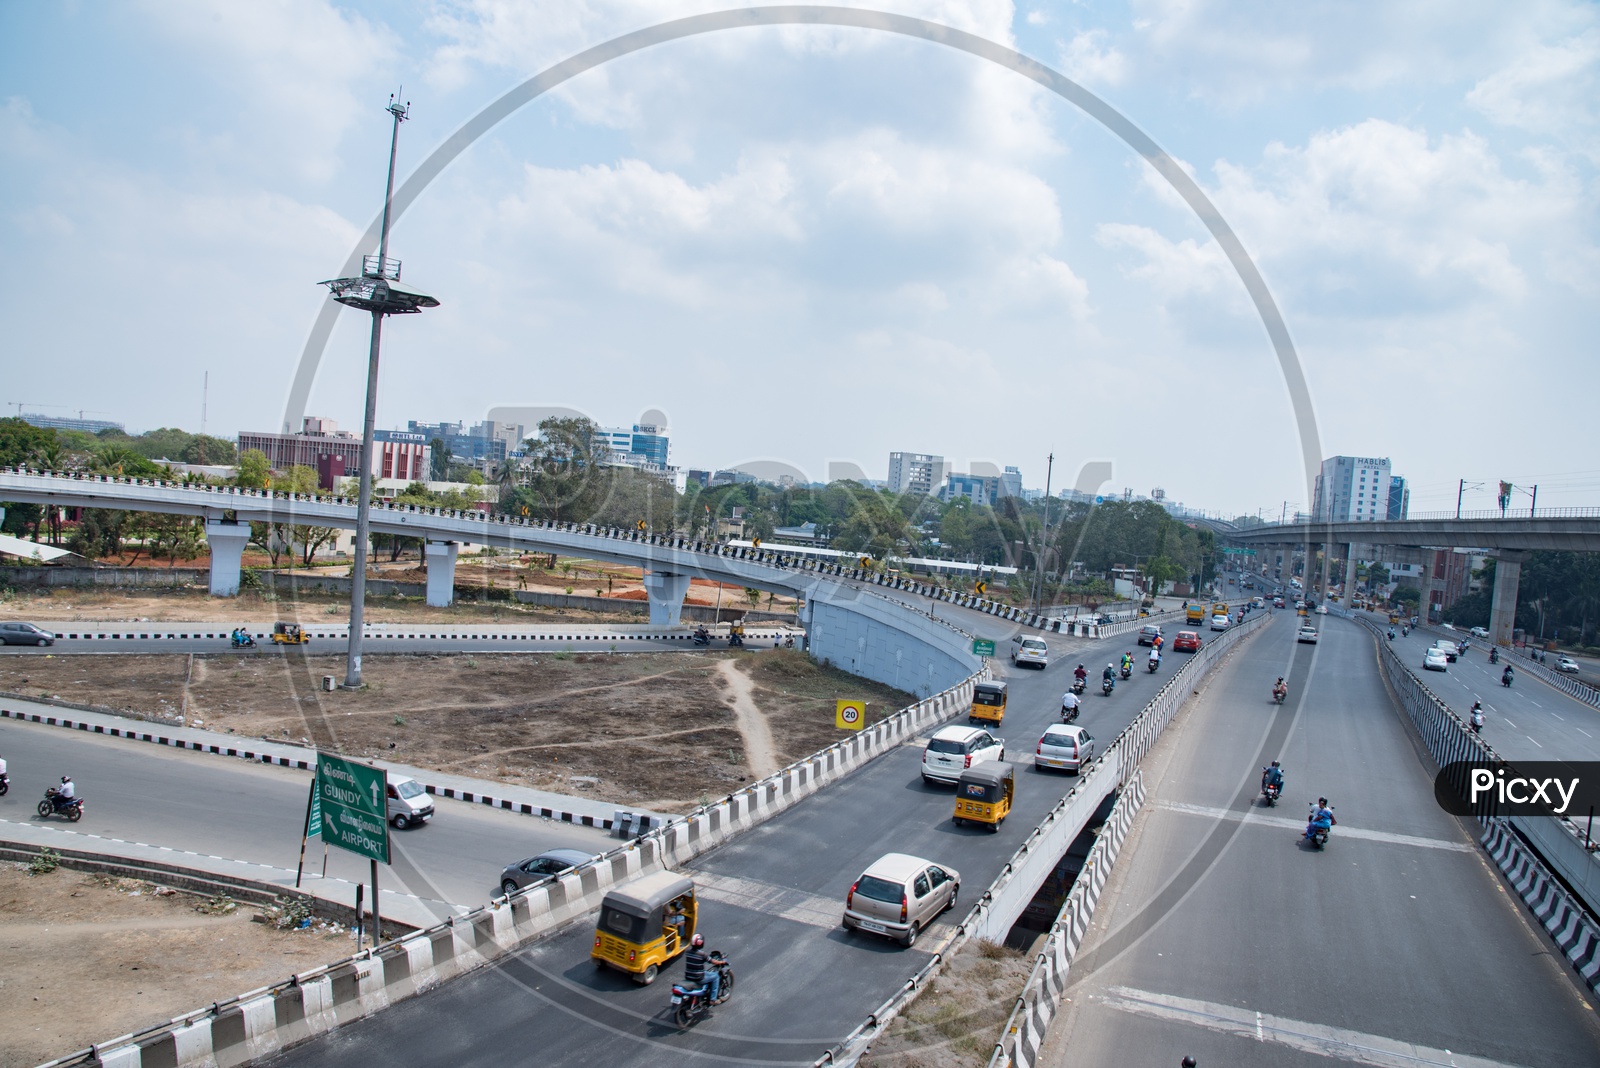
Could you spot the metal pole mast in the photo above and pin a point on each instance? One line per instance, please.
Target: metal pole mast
(1044, 546)
(358, 572)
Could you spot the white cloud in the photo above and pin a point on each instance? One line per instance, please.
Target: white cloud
(1550, 90)
(296, 72)
(1088, 59)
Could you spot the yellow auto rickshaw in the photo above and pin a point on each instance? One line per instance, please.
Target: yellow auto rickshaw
(646, 924)
(984, 793)
(988, 703)
(1394, 618)
(289, 634)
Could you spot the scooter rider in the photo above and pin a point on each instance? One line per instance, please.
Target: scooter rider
(1321, 818)
(1272, 776)
(1069, 705)
(1475, 716)
(1155, 656)
(1080, 674)
(1127, 661)
(1110, 673)
(1280, 688)
(1506, 676)
(1494, 656)
(696, 975)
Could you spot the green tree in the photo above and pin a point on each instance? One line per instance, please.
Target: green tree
(254, 470)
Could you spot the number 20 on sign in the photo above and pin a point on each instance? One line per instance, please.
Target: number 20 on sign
(850, 715)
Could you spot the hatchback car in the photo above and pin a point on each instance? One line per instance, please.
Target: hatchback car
(1030, 651)
(1307, 635)
(899, 895)
(1066, 747)
(1187, 641)
(1322, 609)
(1567, 664)
(952, 750)
(25, 634)
(1435, 660)
(550, 862)
(1277, 602)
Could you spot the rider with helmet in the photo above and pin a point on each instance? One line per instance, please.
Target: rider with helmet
(65, 793)
(1272, 776)
(695, 973)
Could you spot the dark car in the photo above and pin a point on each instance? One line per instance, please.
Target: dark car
(24, 634)
(550, 862)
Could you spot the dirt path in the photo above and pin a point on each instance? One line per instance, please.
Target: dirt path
(759, 754)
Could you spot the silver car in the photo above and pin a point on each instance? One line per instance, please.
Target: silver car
(25, 634)
(535, 869)
(899, 895)
(1066, 747)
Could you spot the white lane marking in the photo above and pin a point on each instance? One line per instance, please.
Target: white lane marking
(1352, 1047)
(1563, 719)
(1583, 732)
(1532, 739)
(771, 899)
(1534, 703)
(1509, 723)
(1345, 830)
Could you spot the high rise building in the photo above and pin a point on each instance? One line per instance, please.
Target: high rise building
(1399, 498)
(1011, 482)
(1354, 488)
(481, 445)
(916, 472)
(981, 489)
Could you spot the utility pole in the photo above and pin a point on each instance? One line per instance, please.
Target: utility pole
(378, 291)
(1038, 563)
(1460, 489)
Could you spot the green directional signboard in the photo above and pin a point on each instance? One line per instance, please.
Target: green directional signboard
(351, 799)
(982, 647)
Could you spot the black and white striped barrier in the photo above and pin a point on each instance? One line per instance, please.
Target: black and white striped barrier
(1567, 923)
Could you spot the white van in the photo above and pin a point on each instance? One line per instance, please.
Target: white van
(409, 803)
(1030, 650)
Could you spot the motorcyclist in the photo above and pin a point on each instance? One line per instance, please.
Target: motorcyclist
(65, 792)
(696, 976)
(1506, 676)
(1391, 634)
(701, 634)
(1475, 716)
(1280, 688)
(1155, 656)
(1127, 661)
(1494, 656)
(1272, 775)
(1080, 674)
(1321, 818)
(1109, 674)
(1069, 703)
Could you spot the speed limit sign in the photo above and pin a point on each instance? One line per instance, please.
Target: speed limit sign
(850, 715)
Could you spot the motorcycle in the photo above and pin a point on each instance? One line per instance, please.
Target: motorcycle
(53, 803)
(1126, 672)
(688, 1006)
(1068, 714)
(1271, 792)
(1494, 656)
(788, 642)
(1475, 722)
(1391, 634)
(243, 641)
(1106, 686)
(1316, 833)
(735, 642)
(1279, 693)
(1079, 685)
(1404, 631)
(1505, 680)
(1152, 664)
(702, 639)
(5, 784)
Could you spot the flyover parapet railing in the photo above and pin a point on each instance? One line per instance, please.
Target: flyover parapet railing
(268, 1019)
(1569, 923)
(1567, 684)
(1004, 899)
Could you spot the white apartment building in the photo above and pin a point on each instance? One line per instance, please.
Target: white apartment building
(916, 472)
(1354, 488)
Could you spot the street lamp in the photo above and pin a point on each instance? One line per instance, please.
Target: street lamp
(378, 291)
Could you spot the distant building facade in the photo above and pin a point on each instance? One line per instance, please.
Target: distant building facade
(916, 472)
(1399, 499)
(980, 489)
(1353, 488)
(482, 445)
(61, 422)
(322, 446)
(1011, 482)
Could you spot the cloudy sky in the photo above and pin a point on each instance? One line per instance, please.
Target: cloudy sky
(816, 245)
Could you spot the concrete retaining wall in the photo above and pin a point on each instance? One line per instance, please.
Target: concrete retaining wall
(888, 642)
(259, 1023)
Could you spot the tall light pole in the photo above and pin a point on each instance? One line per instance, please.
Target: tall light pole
(378, 291)
(1044, 547)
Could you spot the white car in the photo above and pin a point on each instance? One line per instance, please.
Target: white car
(1567, 664)
(1480, 632)
(1066, 747)
(1219, 622)
(1030, 651)
(1434, 659)
(1307, 635)
(1322, 609)
(953, 750)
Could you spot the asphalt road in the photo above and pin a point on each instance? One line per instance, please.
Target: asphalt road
(373, 646)
(1222, 936)
(772, 900)
(227, 807)
(1528, 721)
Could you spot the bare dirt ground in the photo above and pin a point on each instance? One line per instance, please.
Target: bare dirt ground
(657, 730)
(92, 605)
(137, 955)
(956, 1022)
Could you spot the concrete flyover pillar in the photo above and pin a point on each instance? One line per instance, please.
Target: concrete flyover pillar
(1349, 574)
(1425, 603)
(666, 592)
(441, 558)
(1503, 607)
(227, 542)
